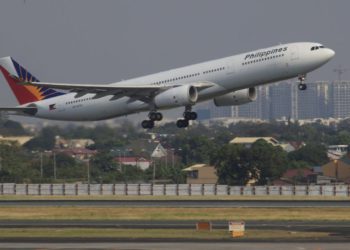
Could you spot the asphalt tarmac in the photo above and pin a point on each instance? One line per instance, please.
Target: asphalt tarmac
(177, 203)
(338, 227)
(180, 245)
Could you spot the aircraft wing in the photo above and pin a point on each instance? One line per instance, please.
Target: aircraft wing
(137, 91)
(107, 87)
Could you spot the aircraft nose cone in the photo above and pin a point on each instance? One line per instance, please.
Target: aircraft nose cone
(330, 53)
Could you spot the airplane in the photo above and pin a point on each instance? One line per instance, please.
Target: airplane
(227, 81)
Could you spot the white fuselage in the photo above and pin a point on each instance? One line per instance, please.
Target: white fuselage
(228, 74)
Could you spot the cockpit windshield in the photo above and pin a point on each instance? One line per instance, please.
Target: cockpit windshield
(317, 47)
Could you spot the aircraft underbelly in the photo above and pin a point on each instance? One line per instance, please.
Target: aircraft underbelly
(98, 110)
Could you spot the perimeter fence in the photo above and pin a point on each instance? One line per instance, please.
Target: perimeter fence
(170, 190)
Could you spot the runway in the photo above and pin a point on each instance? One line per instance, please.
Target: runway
(339, 227)
(180, 245)
(178, 203)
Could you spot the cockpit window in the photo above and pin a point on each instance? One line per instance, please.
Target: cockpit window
(317, 47)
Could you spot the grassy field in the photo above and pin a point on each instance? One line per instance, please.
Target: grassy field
(146, 197)
(155, 233)
(110, 213)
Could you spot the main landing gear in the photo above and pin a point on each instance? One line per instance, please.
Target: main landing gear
(153, 116)
(302, 85)
(188, 115)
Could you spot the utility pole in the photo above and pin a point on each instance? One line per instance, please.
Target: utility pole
(41, 165)
(54, 165)
(173, 160)
(154, 170)
(88, 170)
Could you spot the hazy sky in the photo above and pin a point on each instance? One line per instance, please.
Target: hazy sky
(97, 41)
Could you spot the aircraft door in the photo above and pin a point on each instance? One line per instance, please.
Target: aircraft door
(231, 67)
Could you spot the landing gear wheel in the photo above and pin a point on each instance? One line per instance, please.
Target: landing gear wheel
(301, 79)
(182, 123)
(190, 115)
(194, 116)
(147, 124)
(302, 86)
(159, 116)
(155, 116)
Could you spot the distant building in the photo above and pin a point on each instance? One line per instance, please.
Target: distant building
(201, 174)
(77, 153)
(258, 109)
(72, 143)
(140, 162)
(338, 169)
(340, 101)
(314, 102)
(17, 139)
(283, 101)
(335, 152)
(298, 176)
(248, 141)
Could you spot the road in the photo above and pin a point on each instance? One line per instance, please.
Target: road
(177, 203)
(179, 246)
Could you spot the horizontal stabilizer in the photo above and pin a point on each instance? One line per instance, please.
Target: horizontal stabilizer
(26, 110)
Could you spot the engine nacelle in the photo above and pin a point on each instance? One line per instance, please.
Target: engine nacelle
(238, 97)
(175, 97)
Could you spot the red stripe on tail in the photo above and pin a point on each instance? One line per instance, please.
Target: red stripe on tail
(22, 94)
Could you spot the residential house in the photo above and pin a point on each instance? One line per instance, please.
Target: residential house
(134, 161)
(201, 174)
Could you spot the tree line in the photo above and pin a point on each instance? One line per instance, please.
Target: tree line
(198, 144)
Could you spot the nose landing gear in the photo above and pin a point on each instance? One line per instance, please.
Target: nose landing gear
(302, 85)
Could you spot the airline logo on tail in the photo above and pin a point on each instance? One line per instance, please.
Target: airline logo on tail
(15, 74)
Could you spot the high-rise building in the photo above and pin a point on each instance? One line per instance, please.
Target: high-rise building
(314, 101)
(282, 101)
(340, 99)
(259, 108)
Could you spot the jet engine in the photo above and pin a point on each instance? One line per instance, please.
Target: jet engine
(238, 97)
(175, 97)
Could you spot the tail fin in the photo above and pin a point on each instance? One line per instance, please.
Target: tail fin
(15, 73)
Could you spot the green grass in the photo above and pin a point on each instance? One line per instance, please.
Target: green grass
(150, 213)
(154, 233)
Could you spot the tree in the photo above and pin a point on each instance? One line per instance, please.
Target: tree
(232, 165)
(193, 149)
(15, 164)
(313, 154)
(267, 161)
(9, 127)
(236, 165)
(104, 162)
(45, 140)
